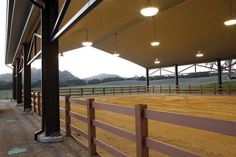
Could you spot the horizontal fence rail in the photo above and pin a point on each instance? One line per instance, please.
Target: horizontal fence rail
(214, 89)
(140, 136)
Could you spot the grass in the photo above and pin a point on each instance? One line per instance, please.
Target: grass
(5, 94)
(202, 142)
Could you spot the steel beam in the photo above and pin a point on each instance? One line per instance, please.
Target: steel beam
(78, 16)
(18, 82)
(27, 79)
(14, 82)
(147, 77)
(61, 16)
(176, 75)
(36, 4)
(50, 74)
(219, 69)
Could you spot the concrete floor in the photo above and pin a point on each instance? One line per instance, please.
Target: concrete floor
(17, 131)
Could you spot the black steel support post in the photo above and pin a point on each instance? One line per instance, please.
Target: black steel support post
(176, 75)
(14, 82)
(27, 80)
(147, 79)
(176, 78)
(18, 82)
(50, 75)
(219, 69)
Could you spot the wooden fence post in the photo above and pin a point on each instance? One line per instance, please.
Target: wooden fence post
(103, 91)
(82, 92)
(130, 90)
(153, 89)
(69, 91)
(67, 116)
(214, 86)
(229, 87)
(93, 91)
(201, 89)
(91, 127)
(190, 89)
(34, 101)
(38, 104)
(169, 89)
(160, 89)
(141, 125)
(113, 90)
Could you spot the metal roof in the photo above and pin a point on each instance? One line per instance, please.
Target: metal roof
(183, 28)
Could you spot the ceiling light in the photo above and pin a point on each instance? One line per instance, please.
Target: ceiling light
(116, 47)
(199, 54)
(149, 9)
(157, 61)
(116, 54)
(230, 20)
(87, 43)
(155, 43)
(61, 54)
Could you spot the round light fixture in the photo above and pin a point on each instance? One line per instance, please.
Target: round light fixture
(149, 11)
(116, 54)
(230, 22)
(87, 43)
(155, 43)
(199, 54)
(157, 61)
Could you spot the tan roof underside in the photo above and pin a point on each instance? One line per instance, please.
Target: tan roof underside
(183, 28)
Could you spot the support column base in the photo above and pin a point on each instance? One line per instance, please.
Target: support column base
(50, 139)
(26, 112)
(19, 104)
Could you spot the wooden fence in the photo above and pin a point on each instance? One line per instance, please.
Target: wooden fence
(103, 90)
(140, 137)
(214, 89)
(36, 102)
(227, 89)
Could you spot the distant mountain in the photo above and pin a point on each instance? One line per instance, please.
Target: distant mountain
(6, 77)
(36, 75)
(101, 76)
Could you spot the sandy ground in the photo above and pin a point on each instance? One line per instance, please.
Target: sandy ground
(201, 142)
(16, 133)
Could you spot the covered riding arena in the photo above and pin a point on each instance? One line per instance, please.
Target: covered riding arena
(135, 121)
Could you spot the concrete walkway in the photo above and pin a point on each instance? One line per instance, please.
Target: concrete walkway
(17, 132)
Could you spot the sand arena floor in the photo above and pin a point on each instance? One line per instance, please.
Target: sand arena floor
(202, 142)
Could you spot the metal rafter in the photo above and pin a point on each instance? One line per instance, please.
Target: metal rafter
(154, 72)
(206, 67)
(60, 16)
(33, 43)
(78, 16)
(36, 4)
(186, 68)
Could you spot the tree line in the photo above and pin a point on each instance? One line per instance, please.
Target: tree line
(78, 82)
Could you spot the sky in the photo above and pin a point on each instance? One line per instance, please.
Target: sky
(83, 62)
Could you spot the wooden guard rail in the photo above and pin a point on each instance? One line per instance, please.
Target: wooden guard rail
(103, 90)
(36, 102)
(227, 89)
(140, 137)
